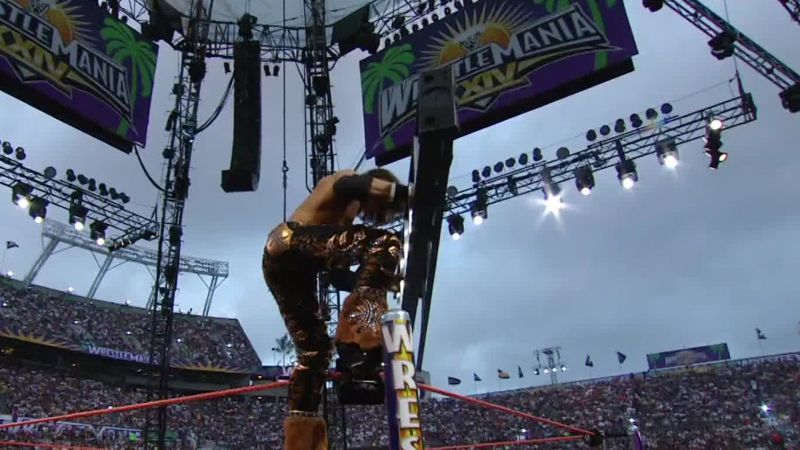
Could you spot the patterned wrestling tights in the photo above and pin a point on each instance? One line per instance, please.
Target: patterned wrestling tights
(294, 255)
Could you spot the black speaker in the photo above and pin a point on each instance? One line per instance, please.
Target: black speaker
(245, 167)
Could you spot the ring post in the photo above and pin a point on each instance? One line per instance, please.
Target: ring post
(402, 394)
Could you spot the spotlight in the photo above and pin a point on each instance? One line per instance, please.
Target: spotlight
(276, 71)
(546, 370)
(77, 216)
(605, 130)
(653, 5)
(666, 108)
(523, 159)
(636, 121)
(20, 153)
(717, 157)
(103, 189)
(591, 135)
(722, 45)
(20, 194)
(455, 225)
(651, 114)
(486, 172)
(398, 21)
(563, 368)
(552, 194)
(479, 207)
(98, 232)
(584, 180)
(512, 185)
(82, 179)
(619, 126)
(50, 172)
(227, 66)
(476, 176)
(7, 148)
(71, 175)
(267, 73)
(498, 167)
(537, 154)
(715, 124)
(626, 172)
(536, 372)
(764, 408)
(510, 163)
(667, 153)
(38, 209)
(790, 98)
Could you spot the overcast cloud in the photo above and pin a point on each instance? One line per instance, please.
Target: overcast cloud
(687, 258)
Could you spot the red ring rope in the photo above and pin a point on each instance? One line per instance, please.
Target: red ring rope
(46, 445)
(525, 442)
(513, 412)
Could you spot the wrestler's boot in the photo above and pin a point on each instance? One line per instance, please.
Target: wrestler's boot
(303, 430)
(358, 335)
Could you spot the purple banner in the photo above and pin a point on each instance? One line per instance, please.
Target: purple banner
(508, 57)
(689, 356)
(72, 60)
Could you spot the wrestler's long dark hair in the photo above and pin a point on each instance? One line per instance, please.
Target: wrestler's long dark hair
(388, 212)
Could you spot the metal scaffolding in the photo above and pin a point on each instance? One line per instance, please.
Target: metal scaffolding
(793, 7)
(59, 233)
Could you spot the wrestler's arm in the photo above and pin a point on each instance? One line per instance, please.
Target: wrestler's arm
(362, 187)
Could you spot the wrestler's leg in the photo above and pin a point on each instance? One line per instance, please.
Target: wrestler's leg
(292, 281)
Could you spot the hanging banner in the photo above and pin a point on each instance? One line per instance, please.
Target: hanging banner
(73, 61)
(688, 356)
(509, 57)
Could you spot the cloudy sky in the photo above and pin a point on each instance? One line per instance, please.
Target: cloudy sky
(687, 258)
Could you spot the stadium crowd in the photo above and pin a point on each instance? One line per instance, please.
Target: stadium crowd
(120, 327)
(704, 407)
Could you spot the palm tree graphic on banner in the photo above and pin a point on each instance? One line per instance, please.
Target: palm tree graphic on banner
(601, 58)
(122, 45)
(395, 67)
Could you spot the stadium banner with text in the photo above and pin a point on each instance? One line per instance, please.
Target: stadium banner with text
(688, 356)
(73, 61)
(508, 57)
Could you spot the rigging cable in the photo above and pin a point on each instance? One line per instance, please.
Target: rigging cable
(144, 169)
(285, 167)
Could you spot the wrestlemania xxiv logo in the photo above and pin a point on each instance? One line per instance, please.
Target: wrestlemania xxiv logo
(53, 41)
(493, 49)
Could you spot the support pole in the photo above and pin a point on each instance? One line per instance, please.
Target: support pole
(100, 275)
(40, 261)
(210, 296)
(402, 395)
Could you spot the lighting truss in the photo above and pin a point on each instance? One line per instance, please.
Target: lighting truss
(58, 193)
(745, 48)
(603, 154)
(793, 6)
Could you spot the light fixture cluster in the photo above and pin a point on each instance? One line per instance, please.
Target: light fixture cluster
(93, 186)
(651, 117)
(424, 14)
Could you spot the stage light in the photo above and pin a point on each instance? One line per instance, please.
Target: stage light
(626, 173)
(276, 71)
(790, 98)
(455, 225)
(563, 368)
(486, 172)
(510, 163)
(666, 108)
(591, 135)
(722, 45)
(476, 176)
(98, 232)
(717, 157)
(651, 114)
(764, 408)
(523, 159)
(537, 154)
(19, 153)
(20, 194)
(7, 148)
(398, 22)
(498, 167)
(479, 209)
(227, 66)
(82, 179)
(584, 180)
(267, 73)
(546, 370)
(71, 290)
(715, 124)
(511, 184)
(605, 130)
(636, 121)
(619, 126)
(38, 209)
(653, 5)
(77, 216)
(536, 372)
(667, 153)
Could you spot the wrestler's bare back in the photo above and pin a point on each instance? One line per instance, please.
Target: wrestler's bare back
(322, 207)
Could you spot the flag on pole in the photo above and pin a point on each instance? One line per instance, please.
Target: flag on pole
(475, 377)
(621, 357)
(11, 244)
(503, 374)
(760, 335)
(519, 371)
(452, 381)
(589, 362)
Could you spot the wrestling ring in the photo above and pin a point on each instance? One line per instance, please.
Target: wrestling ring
(576, 434)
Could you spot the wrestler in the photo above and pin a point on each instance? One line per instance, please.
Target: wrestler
(321, 236)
